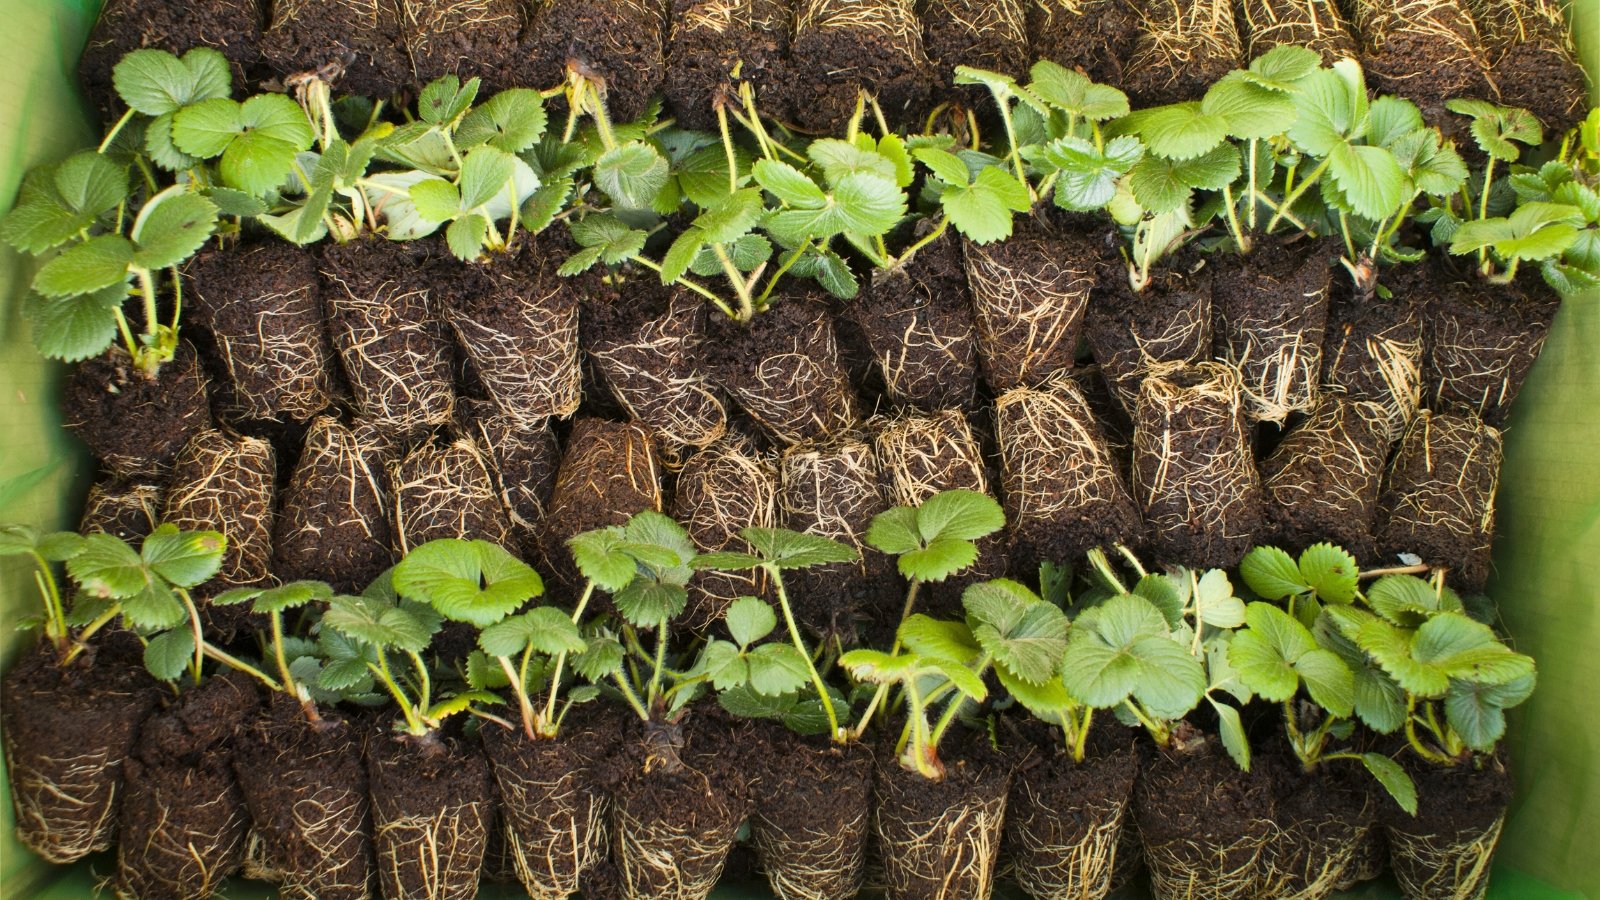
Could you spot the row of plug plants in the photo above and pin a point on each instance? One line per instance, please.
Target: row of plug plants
(1250, 735)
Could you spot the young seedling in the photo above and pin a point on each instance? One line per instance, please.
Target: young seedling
(1497, 131)
(775, 551)
(46, 550)
(1324, 575)
(1570, 180)
(298, 661)
(920, 678)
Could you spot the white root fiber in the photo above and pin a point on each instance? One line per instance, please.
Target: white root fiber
(722, 489)
(1444, 867)
(445, 492)
(1028, 310)
(659, 378)
(228, 484)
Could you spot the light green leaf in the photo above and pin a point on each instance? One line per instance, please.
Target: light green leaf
(1249, 110)
(725, 665)
(1047, 700)
(1215, 604)
(794, 550)
(1394, 780)
(1163, 186)
(467, 581)
(108, 568)
(1369, 177)
(94, 265)
(1030, 647)
(1272, 574)
(168, 655)
(546, 629)
(512, 120)
(631, 174)
(927, 636)
(703, 174)
(77, 327)
(1462, 648)
(466, 236)
(749, 620)
(1262, 667)
(1329, 113)
(1328, 680)
(1122, 648)
(1231, 729)
(378, 622)
(1073, 93)
(171, 227)
(730, 218)
(485, 173)
(436, 199)
(155, 82)
(183, 558)
(603, 657)
(1180, 131)
(839, 158)
(1283, 67)
(894, 531)
(445, 99)
(1331, 572)
(648, 603)
(945, 166)
(723, 561)
(938, 559)
(777, 669)
(982, 211)
(1087, 177)
(789, 185)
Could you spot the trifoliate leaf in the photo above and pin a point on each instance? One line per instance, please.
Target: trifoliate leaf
(789, 185)
(445, 99)
(183, 558)
(1464, 649)
(1534, 231)
(1394, 780)
(379, 623)
(982, 210)
(1024, 634)
(1331, 572)
(1249, 110)
(467, 581)
(749, 620)
(1272, 574)
(169, 655)
(839, 158)
(746, 254)
(1283, 67)
(547, 630)
(631, 174)
(77, 327)
(725, 665)
(512, 120)
(1180, 131)
(155, 82)
(171, 227)
(1329, 113)
(1495, 128)
(730, 218)
(1122, 648)
(795, 550)
(776, 669)
(1086, 178)
(1073, 93)
(96, 264)
(1163, 186)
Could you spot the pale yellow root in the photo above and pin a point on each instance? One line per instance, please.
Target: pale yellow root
(228, 484)
(1444, 867)
(445, 492)
(443, 851)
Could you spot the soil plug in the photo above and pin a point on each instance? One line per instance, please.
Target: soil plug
(333, 521)
(1317, 25)
(717, 46)
(842, 48)
(231, 27)
(1532, 60)
(466, 38)
(1185, 46)
(1427, 51)
(1097, 36)
(522, 463)
(445, 492)
(1323, 478)
(721, 490)
(359, 42)
(619, 45)
(1438, 496)
(128, 512)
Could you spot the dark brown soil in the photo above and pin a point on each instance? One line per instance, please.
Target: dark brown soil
(1482, 340)
(842, 47)
(230, 26)
(1427, 51)
(1322, 817)
(722, 489)
(182, 822)
(1323, 478)
(1271, 309)
(227, 484)
(1532, 60)
(941, 839)
(389, 332)
(1314, 24)
(834, 491)
(1029, 293)
(263, 309)
(444, 491)
(1438, 497)
(432, 805)
(918, 320)
(518, 325)
(132, 424)
(67, 732)
(122, 510)
(676, 810)
(334, 523)
(785, 369)
(1184, 47)
(646, 342)
(919, 456)
(1096, 37)
(1373, 348)
(474, 39)
(1062, 492)
(1194, 475)
(1444, 851)
(358, 40)
(552, 813)
(306, 789)
(1064, 820)
(1169, 321)
(619, 43)
(1205, 824)
(608, 472)
(709, 38)
(522, 463)
(1370, 859)
(811, 811)
(983, 34)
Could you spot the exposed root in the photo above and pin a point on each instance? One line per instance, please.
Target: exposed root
(522, 463)
(1368, 860)
(722, 489)
(552, 820)
(390, 339)
(1128, 861)
(445, 492)
(787, 372)
(1204, 870)
(925, 454)
(1481, 345)
(435, 856)
(918, 319)
(1425, 50)
(843, 47)
(1061, 491)
(258, 864)
(183, 830)
(1438, 501)
(1185, 42)
(950, 855)
(129, 512)
(1376, 360)
(984, 34)
(1317, 25)
(460, 37)
(69, 813)
(1194, 475)
(1063, 854)
(1533, 60)
(263, 308)
(527, 353)
(1444, 867)
(333, 524)
(676, 856)
(1322, 480)
(1131, 332)
(823, 861)
(1028, 298)
(228, 484)
(1277, 345)
(895, 19)
(657, 375)
(833, 490)
(608, 472)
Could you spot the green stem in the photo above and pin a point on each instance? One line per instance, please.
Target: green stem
(424, 681)
(922, 750)
(1484, 264)
(148, 358)
(177, 300)
(381, 670)
(660, 663)
(1011, 142)
(289, 685)
(727, 147)
(1079, 748)
(932, 236)
(740, 287)
(55, 612)
(233, 662)
(692, 285)
(561, 658)
(834, 732)
(82, 643)
(629, 695)
(1300, 189)
(772, 282)
(883, 689)
(956, 703)
(1233, 220)
(1158, 732)
(524, 703)
(1250, 197)
(199, 634)
(115, 130)
(1415, 740)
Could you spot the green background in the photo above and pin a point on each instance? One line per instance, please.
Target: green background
(1547, 555)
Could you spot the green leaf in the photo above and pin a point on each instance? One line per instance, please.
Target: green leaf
(155, 608)
(1166, 594)
(1406, 600)
(927, 636)
(877, 667)
(961, 678)
(1025, 635)
(512, 120)
(460, 703)
(546, 629)
(171, 227)
(609, 236)
(860, 203)
(944, 165)
(445, 99)
(436, 199)
(1231, 729)
(631, 174)
(1215, 604)
(725, 665)
(894, 531)
(776, 669)
(57, 546)
(1369, 177)
(839, 158)
(77, 327)
(466, 236)
(938, 560)
(703, 174)
(1122, 648)
(1249, 110)
(749, 620)
(1462, 648)
(467, 581)
(1262, 666)
(982, 211)
(185, 559)
(1047, 699)
(1477, 711)
(235, 203)
(795, 550)
(726, 561)
(206, 129)
(1180, 131)
(730, 218)
(1394, 780)
(169, 654)
(601, 559)
(1162, 186)
(746, 254)
(1331, 572)
(485, 173)
(1073, 93)
(1391, 648)
(96, 264)
(602, 658)
(88, 184)
(1328, 680)
(155, 82)
(1283, 67)
(379, 622)
(541, 207)
(108, 568)
(1272, 574)
(1494, 128)
(1087, 177)
(1330, 111)
(648, 603)
(789, 185)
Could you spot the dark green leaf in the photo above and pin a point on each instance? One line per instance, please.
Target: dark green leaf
(1272, 573)
(795, 550)
(94, 265)
(168, 655)
(1394, 780)
(776, 669)
(445, 99)
(77, 327)
(467, 581)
